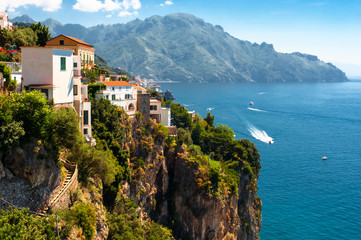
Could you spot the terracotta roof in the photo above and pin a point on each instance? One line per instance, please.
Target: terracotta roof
(116, 83)
(74, 39)
(41, 85)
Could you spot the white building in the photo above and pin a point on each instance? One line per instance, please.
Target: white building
(120, 93)
(4, 21)
(49, 71)
(165, 116)
(56, 73)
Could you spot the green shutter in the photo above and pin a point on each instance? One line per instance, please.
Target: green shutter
(62, 63)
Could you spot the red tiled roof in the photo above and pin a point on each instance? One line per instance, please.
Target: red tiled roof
(75, 39)
(116, 83)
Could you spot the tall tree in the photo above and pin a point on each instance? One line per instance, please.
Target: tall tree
(42, 32)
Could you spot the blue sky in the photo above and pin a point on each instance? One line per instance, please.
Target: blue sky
(330, 29)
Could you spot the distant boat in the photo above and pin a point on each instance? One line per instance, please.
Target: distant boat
(324, 158)
(251, 103)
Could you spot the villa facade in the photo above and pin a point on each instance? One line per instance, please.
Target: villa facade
(49, 70)
(80, 48)
(120, 93)
(56, 73)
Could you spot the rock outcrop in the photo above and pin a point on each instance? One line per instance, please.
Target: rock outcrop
(27, 177)
(166, 190)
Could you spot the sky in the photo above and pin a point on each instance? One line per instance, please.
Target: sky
(329, 29)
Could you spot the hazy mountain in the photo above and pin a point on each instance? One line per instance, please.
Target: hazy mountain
(24, 19)
(183, 47)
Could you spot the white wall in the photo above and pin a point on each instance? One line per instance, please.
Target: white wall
(87, 107)
(165, 116)
(17, 76)
(119, 92)
(62, 79)
(37, 65)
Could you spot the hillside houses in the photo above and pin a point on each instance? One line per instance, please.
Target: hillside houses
(4, 21)
(56, 71)
(133, 98)
(120, 93)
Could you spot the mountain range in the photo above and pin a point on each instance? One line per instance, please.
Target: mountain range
(182, 47)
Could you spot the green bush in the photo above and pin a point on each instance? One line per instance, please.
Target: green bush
(83, 215)
(124, 223)
(18, 224)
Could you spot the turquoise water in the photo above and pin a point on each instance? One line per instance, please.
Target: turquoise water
(303, 196)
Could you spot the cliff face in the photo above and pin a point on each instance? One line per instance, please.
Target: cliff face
(27, 176)
(166, 189)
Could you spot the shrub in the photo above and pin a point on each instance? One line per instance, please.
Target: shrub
(18, 224)
(83, 215)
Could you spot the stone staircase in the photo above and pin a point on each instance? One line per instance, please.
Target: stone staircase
(71, 170)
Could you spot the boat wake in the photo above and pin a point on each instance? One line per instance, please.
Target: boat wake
(255, 109)
(210, 109)
(260, 134)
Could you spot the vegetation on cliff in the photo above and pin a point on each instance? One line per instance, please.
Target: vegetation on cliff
(130, 152)
(18, 224)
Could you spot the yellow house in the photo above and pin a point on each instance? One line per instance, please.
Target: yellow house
(83, 49)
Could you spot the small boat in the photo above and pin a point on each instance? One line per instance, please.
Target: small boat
(251, 103)
(324, 158)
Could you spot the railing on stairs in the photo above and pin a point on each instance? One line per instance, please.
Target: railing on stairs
(74, 169)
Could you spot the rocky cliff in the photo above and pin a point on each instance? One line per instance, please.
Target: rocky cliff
(165, 187)
(28, 176)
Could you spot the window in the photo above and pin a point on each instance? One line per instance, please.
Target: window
(153, 107)
(113, 97)
(144, 100)
(61, 42)
(113, 88)
(86, 117)
(85, 131)
(75, 65)
(62, 64)
(75, 90)
(107, 97)
(143, 109)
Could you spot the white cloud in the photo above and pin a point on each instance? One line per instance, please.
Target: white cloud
(125, 14)
(109, 5)
(108, 16)
(166, 3)
(125, 6)
(88, 5)
(46, 5)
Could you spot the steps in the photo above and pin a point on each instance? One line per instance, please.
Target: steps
(71, 170)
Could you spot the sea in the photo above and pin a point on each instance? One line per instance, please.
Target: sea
(303, 196)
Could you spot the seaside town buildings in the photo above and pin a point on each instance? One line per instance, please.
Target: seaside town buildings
(4, 21)
(55, 70)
